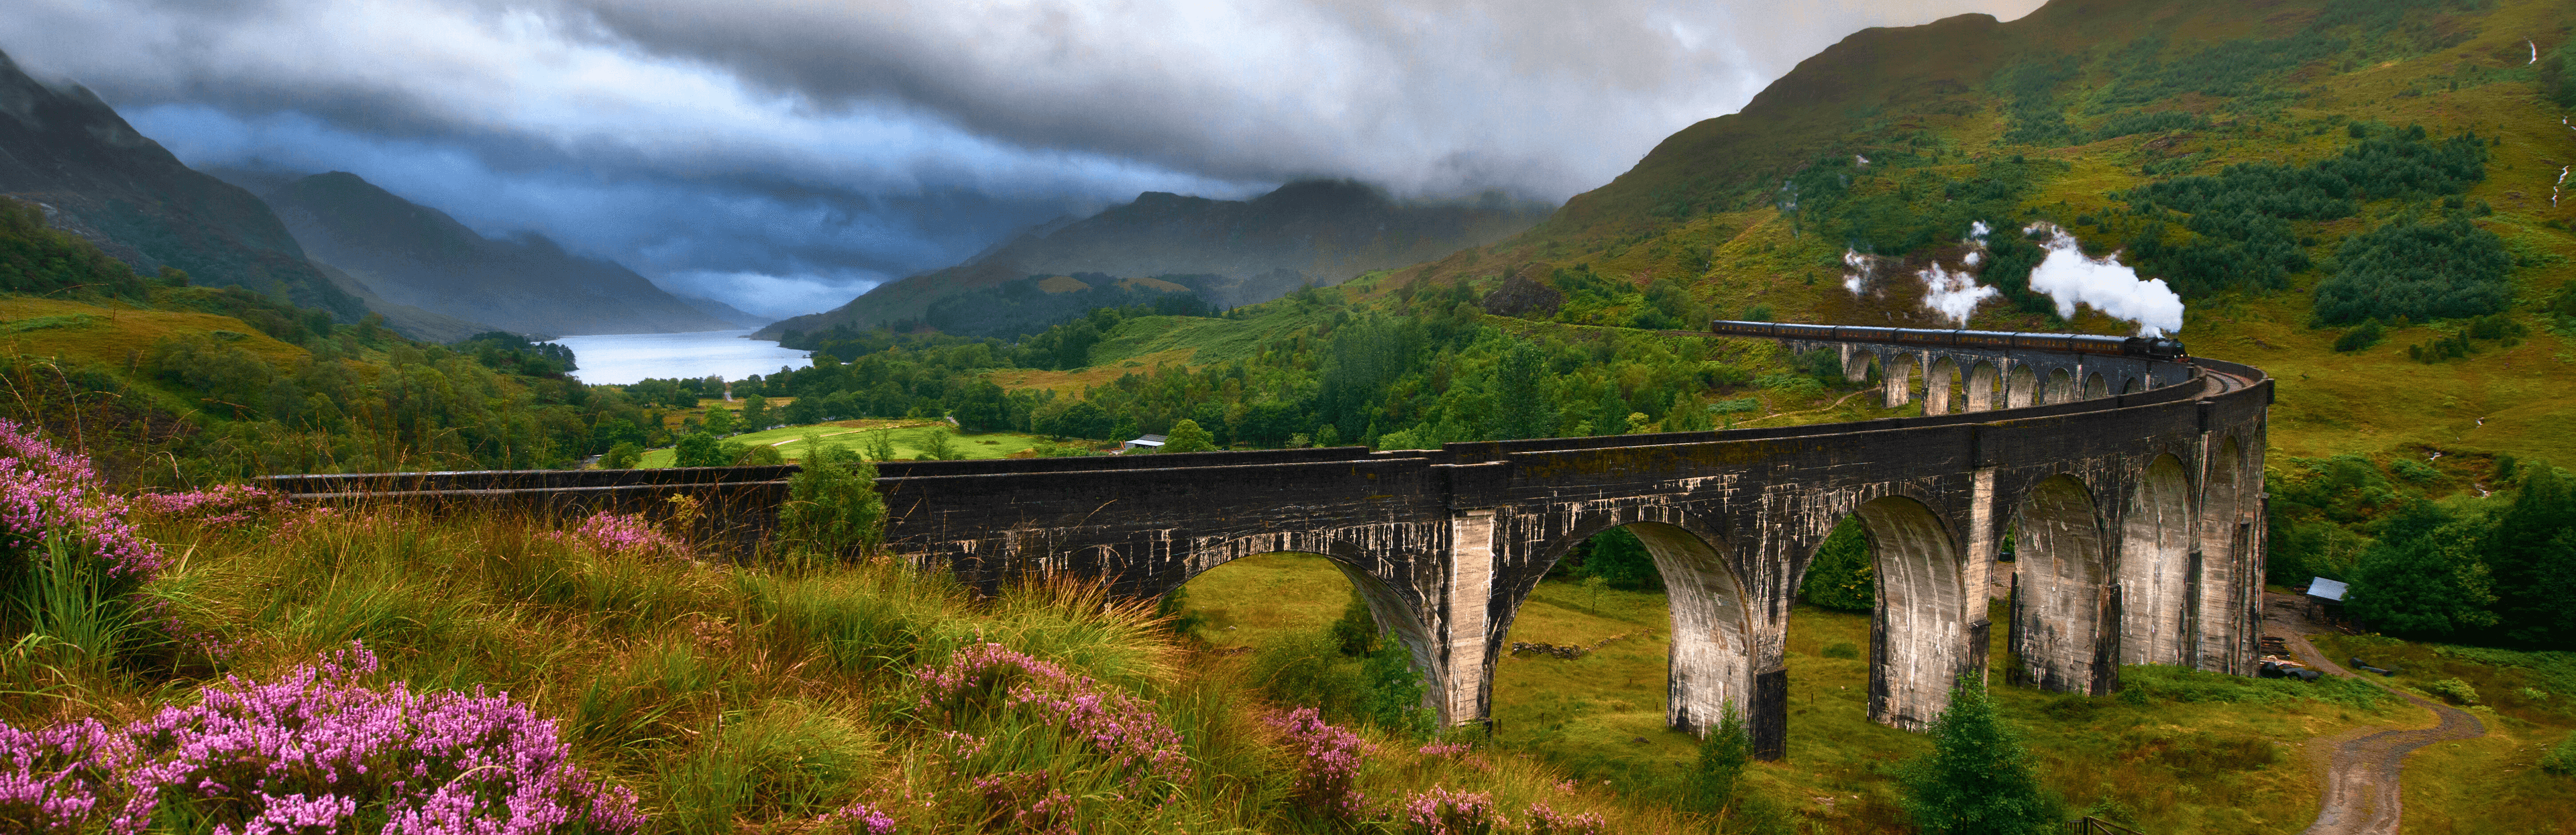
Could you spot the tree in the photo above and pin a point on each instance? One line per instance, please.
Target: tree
(1356, 632)
(699, 449)
(803, 410)
(1188, 437)
(1842, 576)
(1084, 419)
(1393, 700)
(1621, 560)
(624, 456)
(832, 503)
(2527, 551)
(880, 445)
(755, 414)
(1723, 753)
(2430, 585)
(1978, 778)
(1523, 410)
(939, 446)
(719, 421)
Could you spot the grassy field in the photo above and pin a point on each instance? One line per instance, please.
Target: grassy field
(911, 438)
(749, 698)
(2182, 760)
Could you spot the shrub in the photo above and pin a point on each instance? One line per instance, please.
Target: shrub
(1842, 576)
(624, 534)
(1439, 811)
(2415, 471)
(311, 750)
(1328, 762)
(2562, 759)
(2420, 271)
(756, 455)
(1393, 701)
(2368, 334)
(624, 456)
(832, 503)
(2453, 690)
(1355, 632)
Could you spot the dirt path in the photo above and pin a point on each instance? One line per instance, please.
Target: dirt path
(2362, 766)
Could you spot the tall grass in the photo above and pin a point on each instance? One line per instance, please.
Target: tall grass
(765, 696)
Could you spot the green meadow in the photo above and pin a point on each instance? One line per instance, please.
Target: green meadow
(2200, 752)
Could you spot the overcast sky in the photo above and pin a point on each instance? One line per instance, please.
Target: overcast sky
(785, 155)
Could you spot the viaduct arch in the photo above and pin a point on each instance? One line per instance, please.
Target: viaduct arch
(2136, 517)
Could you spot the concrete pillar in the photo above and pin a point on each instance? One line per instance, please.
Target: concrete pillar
(1463, 609)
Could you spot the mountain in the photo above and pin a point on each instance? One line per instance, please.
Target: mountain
(409, 254)
(94, 176)
(413, 322)
(2363, 197)
(1318, 231)
(726, 313)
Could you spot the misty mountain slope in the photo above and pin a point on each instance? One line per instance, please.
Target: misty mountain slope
(67, 151)
(411, 322)
(414, 255)
(1322, 231)
(2287, 170)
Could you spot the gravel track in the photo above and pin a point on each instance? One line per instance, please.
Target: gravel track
(2362, 766)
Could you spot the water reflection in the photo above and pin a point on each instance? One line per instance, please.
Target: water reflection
(621, 358)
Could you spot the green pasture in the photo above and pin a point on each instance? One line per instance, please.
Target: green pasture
(910, 440)
(2200, 753)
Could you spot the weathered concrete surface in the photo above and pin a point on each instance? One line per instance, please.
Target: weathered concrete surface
(2134, 513)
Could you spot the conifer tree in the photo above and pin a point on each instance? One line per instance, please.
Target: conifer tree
(1978, 779)
(1723, 753)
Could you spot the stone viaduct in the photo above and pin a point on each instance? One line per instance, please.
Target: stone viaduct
(2135, 517)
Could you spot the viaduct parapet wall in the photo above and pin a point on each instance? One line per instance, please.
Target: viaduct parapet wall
(2133, 489)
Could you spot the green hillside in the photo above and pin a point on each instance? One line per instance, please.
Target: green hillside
(2151, 129)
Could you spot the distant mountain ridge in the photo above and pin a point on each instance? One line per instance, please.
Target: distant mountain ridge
(95, 176)
(1316, 231)
(413, 255)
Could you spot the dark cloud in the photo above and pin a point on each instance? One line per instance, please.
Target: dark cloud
(783, 154)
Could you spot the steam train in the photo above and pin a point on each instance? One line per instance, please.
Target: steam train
(2157, 347)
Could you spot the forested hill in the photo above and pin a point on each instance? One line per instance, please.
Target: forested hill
(1311, 232)
(2379, 174)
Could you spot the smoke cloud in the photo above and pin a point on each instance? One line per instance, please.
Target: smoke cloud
(2072, 278)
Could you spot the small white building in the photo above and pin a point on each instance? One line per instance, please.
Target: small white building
(1150, 443)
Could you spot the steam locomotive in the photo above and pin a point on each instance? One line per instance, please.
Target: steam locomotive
(2157, 347)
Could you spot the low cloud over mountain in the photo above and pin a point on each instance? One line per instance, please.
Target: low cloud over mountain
(783, 156)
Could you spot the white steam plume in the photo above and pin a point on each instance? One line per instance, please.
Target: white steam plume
(2071, 278)
(1955, 294)
(1861, 266)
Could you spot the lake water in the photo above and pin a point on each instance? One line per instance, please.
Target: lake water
(622, 358)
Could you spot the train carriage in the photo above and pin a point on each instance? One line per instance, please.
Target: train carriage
(2158, 347)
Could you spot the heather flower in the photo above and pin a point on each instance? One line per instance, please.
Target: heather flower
(1026, 801)
(1445, 749)
(858, 819)
(221, 506)
(306, 752)
(622, 534)
(1544, 820)
(47, 495)
(1328, 764)
(1439, 811)
(1119, 726)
